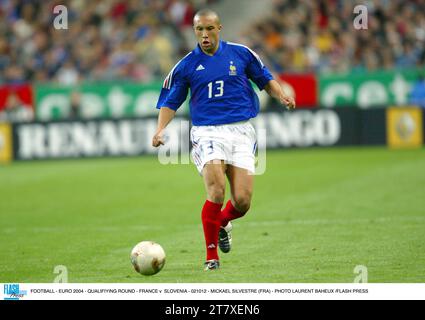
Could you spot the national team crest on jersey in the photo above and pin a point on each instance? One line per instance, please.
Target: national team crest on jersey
(232, 69)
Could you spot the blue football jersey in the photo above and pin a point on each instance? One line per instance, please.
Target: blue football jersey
(220, 90)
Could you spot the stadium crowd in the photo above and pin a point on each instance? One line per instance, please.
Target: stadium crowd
(140, 40)
(319, 36)
(137, 40)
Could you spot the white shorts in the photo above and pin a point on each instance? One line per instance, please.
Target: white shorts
(234, 143)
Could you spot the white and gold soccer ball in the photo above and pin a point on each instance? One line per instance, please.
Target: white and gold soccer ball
(148, 258)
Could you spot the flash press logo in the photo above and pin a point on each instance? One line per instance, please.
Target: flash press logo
(13, 292)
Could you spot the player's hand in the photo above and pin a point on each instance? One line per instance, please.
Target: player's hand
(158, 139)
(288, 101)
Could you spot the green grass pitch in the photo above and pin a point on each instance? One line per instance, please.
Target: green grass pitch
(316, 215)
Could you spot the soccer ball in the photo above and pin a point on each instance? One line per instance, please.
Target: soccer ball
(147, 258)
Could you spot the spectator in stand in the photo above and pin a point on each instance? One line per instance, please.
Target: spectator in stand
(75, 105)
(106, 40)
(138, 40)
(15, 110)
(318, 36)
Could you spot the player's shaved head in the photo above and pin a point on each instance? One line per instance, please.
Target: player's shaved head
(207, 27)
(206, 13)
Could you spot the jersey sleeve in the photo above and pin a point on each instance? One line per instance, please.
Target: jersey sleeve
(174, 89)
(257, 71)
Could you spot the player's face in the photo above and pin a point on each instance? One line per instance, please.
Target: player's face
(207, 29)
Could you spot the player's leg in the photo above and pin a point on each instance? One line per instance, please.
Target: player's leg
(240, 172)
(215, 183)
(208, 146)
(241, 187)
(241, 179)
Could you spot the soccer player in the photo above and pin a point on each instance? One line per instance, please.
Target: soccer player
(223, 140)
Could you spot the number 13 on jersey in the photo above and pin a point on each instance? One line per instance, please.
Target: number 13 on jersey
(218, 89)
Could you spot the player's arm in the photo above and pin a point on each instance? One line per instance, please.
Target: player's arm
(274, 90)
(173, 93)
(164, 118)
(258, 72)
